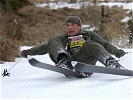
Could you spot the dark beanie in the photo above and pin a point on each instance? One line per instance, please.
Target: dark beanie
(74, 19)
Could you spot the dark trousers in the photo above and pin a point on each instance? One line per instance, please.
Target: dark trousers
(89, 53)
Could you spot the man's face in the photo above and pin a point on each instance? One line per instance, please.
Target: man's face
(72, 28)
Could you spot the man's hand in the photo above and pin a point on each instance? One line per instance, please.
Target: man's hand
(119, 53)
(25, 53)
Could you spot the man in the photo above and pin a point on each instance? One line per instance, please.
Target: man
(79, 45)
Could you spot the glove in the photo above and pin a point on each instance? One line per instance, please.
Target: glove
(25, 53)
(119, 53)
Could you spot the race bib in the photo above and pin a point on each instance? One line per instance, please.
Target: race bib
(76, 41)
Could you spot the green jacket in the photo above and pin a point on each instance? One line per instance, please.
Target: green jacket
(44, 48)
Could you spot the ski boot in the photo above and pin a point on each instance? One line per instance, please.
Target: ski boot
(66, 64)
(109, 61)
(112, 63)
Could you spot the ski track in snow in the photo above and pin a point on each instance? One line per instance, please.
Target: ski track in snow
(28, 82)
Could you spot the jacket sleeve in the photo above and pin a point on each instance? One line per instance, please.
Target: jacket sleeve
(40, 49)
(108, 46)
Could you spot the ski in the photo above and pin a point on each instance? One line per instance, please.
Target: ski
(64, 71)
(100, 69)
(81, 68)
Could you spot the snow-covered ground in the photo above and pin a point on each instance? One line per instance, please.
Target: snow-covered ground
(119, 4)
(78, 5)
(28, 82)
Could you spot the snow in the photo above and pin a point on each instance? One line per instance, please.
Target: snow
(119, 4)
(28, 82)
(78, 5)
(126, 19)
(59, 5)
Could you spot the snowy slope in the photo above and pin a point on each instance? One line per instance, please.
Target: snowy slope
(28, 82)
